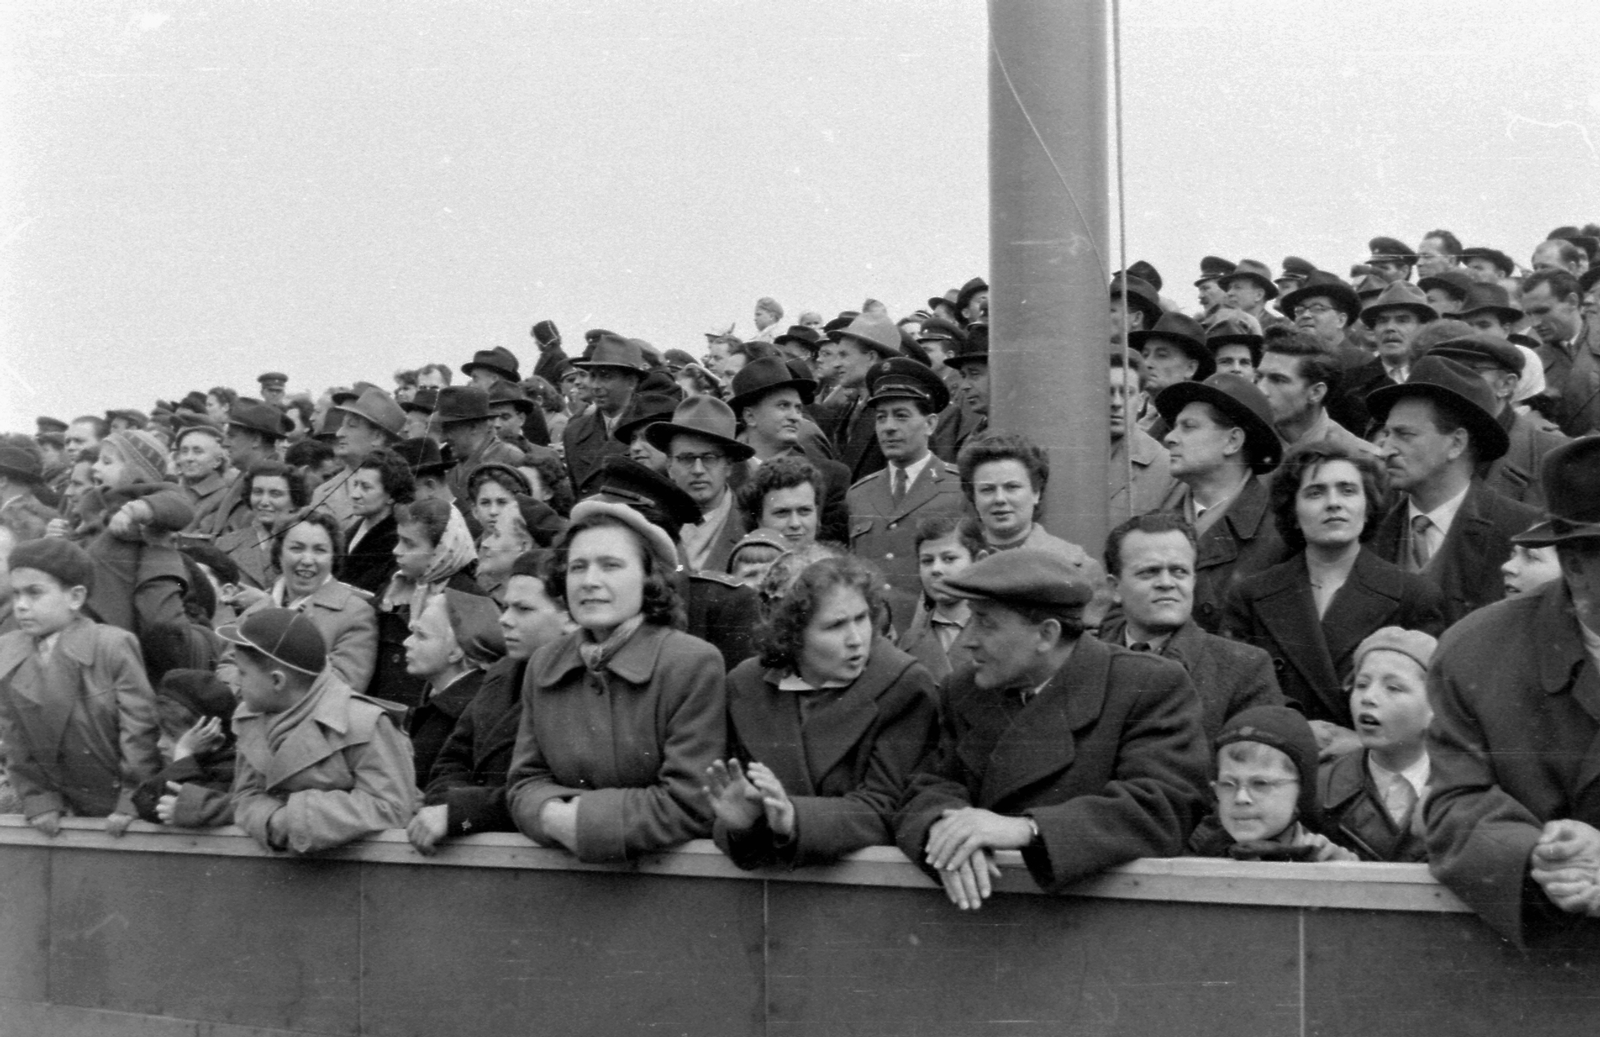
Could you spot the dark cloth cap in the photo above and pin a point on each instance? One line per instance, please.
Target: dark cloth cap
(200, 691)
(1213, 268)
(1146, 272)
(1327, 285)
(622, 480)
(195, 401)
(647, 409)
(273, 378)
(1390, 250)
(545, 334)
(63, 559)
(500, 360)
(475, 621)
(1458, 283)
(510, 392)
(1459, 389)
(1296, 269)
(902, 378)
(21, 464)
(1502, 262)
(679, 358)
(968, 290)
(1290, 733)
(1183, 331)
(461, 403)
(48, 424)
(1480, 346)
(972, 349)
(1027, 577)
(286, 636)
(1252, 270)
(809, 338)
(1241, 402)
(759, 377)
(1570, 475)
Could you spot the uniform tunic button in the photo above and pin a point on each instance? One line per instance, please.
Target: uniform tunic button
(894, 525)
(888, 555)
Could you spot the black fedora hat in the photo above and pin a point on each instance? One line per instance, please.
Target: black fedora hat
(1251, 270)
(259, 417)
(1492, 299)
(1482, 347)
(1239, 400)
(1329, 286)
(809, 339)
(1456, 387)
(609, 350)
(1146, 272)
(968, 290)
(971, 349)
(500, 360)
(1184, 332)
(343, 396)
(1138, 293)
(462, 403)
(769, 374)
(1570, 476)
(510, 392)
(648, 408)
(21, 464)
(422, 401)
(423, 456)
(703, 416)
(902, 378)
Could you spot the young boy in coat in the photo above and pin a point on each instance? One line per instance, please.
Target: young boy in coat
(1370, 796)
(77, 716)
(318, 765)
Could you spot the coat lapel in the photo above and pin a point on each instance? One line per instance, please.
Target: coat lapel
(1289, 614)
(1365, 603)
(768, 726)
(831, 732)
(921, 492)
(1038, 741)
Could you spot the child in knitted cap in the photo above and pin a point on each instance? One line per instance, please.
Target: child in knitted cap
(1266, 789)
(1371, 796)
(77, 716)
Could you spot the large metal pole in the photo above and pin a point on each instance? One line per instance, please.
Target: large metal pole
(1049, 250)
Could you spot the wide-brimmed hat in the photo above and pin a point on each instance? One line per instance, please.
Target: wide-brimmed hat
(500, 360)
(1240, 401)
(511, 392)
(1329, 286)
(971, 349)
(614, 351)
(1213, 268)
(877, 334)
(902, 378)
(423, 456)
(809, 339)
(1570, 476)
(423, 401)
(1229, 327)
(647, 409)
(1390, 250)
(1489, 298)
(1184, 332)
(461, 403)
(703, 416)
(1138, 293)
(769, 374)
(378, 408)
(1251, 270)
(968, 290)
(1502, 262)
(1459, 389)
(1480, 347)
(259, 417)
(1456, 283)
(1400, 295)
(21, 464)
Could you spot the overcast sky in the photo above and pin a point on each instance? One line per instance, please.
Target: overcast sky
(195, 192)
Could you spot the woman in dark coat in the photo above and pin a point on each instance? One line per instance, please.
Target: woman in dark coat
(1311, 612)
(433, 552)
(621, 717)
(824, 727)
(382, 483)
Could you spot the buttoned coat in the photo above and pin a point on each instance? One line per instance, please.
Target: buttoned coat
(79, 730)
(368, 566)
(1353, 814)
(1152, 475)
(1228, 676)
(430, 724)
(206, 496)
(1467, 565)
(1243, 541)
(469, 774)
(348, 625)
(1109, 760)
(343, 772)
(631, 742)
(586, 441)
(1514, 743)
(1516, 474)
(1275, 611)
(722, 611)
(844, 766)
(885, 533)
(1572, 382)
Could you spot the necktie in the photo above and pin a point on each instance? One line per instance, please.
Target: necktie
(1399, 798)
(897, 491)
(1421, 554)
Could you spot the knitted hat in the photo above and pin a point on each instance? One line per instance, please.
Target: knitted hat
(1290, 733)
(475, 621)
(143, 453)
(55, 557)
(1412, 643)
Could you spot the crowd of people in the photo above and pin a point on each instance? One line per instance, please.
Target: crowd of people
(795, 595)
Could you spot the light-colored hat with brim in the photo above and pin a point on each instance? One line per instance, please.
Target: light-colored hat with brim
(655, 538)
(1400, 295)
(378, 408)
(1251, 270)
(703, 416)
(878, 335)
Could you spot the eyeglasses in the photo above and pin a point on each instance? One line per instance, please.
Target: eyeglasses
(1316, 309)
(1258, 788)
(707, 461)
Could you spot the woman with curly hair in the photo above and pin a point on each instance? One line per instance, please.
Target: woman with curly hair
(825, 727)
(381, 483)
(622, 716)
(273, 490)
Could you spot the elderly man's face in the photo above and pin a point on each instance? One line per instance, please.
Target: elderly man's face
(1318, 316)
(1211, 294)
(1415, 451)
(1395, 329)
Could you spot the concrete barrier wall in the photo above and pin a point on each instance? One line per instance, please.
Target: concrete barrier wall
(200, 934)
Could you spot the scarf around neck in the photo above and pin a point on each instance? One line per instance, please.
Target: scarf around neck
(596, 654)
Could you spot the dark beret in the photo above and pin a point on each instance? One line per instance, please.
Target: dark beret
(62, 559)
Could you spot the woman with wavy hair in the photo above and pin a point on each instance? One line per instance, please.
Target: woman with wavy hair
(825, 727)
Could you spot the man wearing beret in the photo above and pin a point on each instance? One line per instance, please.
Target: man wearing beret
(1434, 431)
(1499, 363)
(1078, 753)
(1513, 818)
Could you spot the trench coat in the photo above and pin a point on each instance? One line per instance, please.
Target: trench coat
(349, 628)
(631, 742)
(844, 766)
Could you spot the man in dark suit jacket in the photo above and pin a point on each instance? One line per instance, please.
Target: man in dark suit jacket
(1434, 430)
(1150, 561)
(1080, 754)
(846, 417)
(614, 369)
(769, 399)
(1513, 820)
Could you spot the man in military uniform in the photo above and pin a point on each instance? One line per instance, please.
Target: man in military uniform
(1212, 296)
(845, 416)
(272, 387)
(1391, 259)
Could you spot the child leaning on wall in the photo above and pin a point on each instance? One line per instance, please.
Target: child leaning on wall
(77, 716)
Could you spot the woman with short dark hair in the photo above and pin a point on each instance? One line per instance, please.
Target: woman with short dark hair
(273, 490)
(382, 482)
(825, 727)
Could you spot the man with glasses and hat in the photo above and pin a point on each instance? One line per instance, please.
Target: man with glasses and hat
(1078, 753)
(466, 424)
(1434, 432)
(614, 368)
(254, 433)
(1513, 815)
(769, 400)
(1499, 363)
(702, 448)
(1221, 447)
(1250, 287)
(845, 417)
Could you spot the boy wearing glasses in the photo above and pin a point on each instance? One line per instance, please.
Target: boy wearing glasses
(1266, 789)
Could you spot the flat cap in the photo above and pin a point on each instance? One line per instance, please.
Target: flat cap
(1480, 347)
(1027, 577)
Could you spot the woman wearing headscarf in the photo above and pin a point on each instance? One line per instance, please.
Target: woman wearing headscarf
(455, 637)
(432, 552)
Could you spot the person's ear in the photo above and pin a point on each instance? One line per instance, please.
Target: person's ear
(77, 597)
(1318, 393)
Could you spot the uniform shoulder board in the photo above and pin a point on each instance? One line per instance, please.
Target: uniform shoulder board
(867, 478)
(950, 467)
(715, 577)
